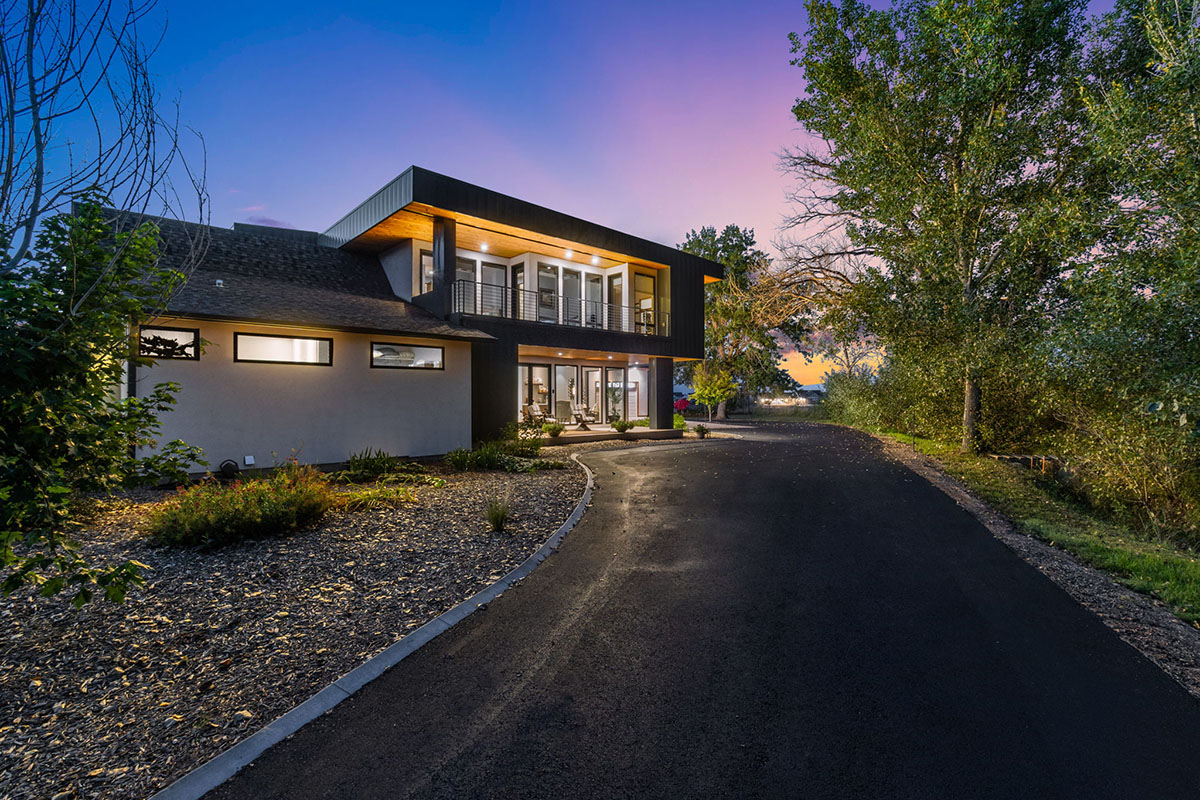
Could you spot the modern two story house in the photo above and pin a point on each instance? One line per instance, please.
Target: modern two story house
(427, 318)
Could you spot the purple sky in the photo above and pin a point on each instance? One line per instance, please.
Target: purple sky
(652, 118)
(649, 117)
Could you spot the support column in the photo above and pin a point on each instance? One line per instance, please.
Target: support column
(662, 393)
(493, 387)
(439, 301)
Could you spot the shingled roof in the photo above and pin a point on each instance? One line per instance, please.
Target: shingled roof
(284, 277)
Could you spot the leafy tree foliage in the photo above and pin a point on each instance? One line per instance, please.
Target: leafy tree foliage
(712, 385)
(68, 320)
(1123, 360)
(1077, 311)
(951, 157)
(736, 337)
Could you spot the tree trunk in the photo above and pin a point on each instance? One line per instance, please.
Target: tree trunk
(721, 410)
(970, 432)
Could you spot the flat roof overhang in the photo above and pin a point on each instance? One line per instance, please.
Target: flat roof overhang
(406, 207)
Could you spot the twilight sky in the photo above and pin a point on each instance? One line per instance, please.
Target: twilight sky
(649, 117)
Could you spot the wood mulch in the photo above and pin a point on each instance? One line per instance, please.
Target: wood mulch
(118, 701)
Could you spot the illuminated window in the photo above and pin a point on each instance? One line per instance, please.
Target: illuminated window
(267, 349)
(174, 343)
(426, 272)
(397, 355)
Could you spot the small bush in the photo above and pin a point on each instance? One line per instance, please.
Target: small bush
(680, 422)
(369, 465)
(210, 514)
(370, 498)
(459, 459)
(641, 423)
(553, 429)
(702, 431)
(497, 512)
(621, 425)
(523, 441)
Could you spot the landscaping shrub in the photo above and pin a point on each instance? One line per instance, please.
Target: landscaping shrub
(497, 512)
(641, 423)
(210, 514)
(702, 431)
(522, 441)
(680, 422)
(553, 429)
(369, 498)
(369, 465)
(621, 425)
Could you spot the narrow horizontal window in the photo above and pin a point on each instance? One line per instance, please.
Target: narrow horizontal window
(267, 349)
(397, 355)
(177, 343)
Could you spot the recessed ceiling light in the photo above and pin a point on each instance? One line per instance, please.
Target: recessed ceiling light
(570, 253)
(595, 260)
(610, 358)
(560, 354)
(483, 247)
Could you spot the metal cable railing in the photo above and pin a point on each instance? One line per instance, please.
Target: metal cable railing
(486, 299)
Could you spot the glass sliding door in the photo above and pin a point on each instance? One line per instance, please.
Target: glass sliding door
(593, 302)
(572, 304)
(566, 391)
(614, 394)
(492, 289)
(535, 390)
(639, 393)
(547, 288)
(593, 392)
(464, 277)
(643, 303)
(616, 303)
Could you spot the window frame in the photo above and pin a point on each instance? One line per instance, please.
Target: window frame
(237, 334)
(195, 342)
(371, 356)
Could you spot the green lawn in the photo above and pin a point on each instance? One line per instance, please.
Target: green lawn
(1040, 508)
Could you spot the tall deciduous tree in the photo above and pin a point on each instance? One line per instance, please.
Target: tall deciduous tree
(1124, 357)
(80, 130)
(948, 152)
(738, 338)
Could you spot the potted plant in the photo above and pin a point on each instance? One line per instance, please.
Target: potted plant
(553, 429)
(702, 431)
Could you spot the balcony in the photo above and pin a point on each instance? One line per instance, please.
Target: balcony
(547, 307)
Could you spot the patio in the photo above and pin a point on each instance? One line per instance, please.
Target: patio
(600, 433)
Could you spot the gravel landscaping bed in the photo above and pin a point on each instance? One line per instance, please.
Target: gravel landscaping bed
(118, 701)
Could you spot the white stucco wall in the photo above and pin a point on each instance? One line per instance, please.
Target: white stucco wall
(234, 409)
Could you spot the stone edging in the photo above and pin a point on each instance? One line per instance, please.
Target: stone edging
(1142, 622)
(225, 765)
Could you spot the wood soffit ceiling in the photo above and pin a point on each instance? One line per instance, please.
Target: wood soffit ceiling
(415, 221)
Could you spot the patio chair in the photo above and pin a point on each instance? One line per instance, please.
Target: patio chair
(583, 415)
(534, 413)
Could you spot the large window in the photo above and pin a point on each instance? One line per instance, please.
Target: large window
(268, 349)
(397, 355)
(426, 272)
(643, 303)
(176, 343)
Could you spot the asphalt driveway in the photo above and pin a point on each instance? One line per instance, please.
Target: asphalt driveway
(789, 615)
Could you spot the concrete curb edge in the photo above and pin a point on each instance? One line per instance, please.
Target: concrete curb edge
(220, 768)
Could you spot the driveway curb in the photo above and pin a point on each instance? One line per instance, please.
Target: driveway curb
(225, 765)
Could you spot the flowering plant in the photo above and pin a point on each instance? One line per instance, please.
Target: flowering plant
(682, 404)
